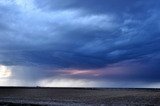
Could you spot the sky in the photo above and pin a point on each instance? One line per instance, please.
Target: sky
(80, 43)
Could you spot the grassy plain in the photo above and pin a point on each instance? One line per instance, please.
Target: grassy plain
(38, 96)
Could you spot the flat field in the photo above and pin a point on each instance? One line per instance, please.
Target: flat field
(38, 96)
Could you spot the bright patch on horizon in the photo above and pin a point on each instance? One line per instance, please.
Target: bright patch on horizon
(5, 72)
(67, 82)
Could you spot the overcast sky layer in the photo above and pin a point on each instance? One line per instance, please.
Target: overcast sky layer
(80, 43)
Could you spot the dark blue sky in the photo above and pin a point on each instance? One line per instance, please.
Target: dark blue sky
(90, 43)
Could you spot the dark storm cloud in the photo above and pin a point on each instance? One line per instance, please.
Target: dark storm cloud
(73, 34)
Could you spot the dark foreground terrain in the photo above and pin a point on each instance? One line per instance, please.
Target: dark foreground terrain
(22, 96)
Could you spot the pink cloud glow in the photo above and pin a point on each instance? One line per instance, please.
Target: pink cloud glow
(82, 72)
